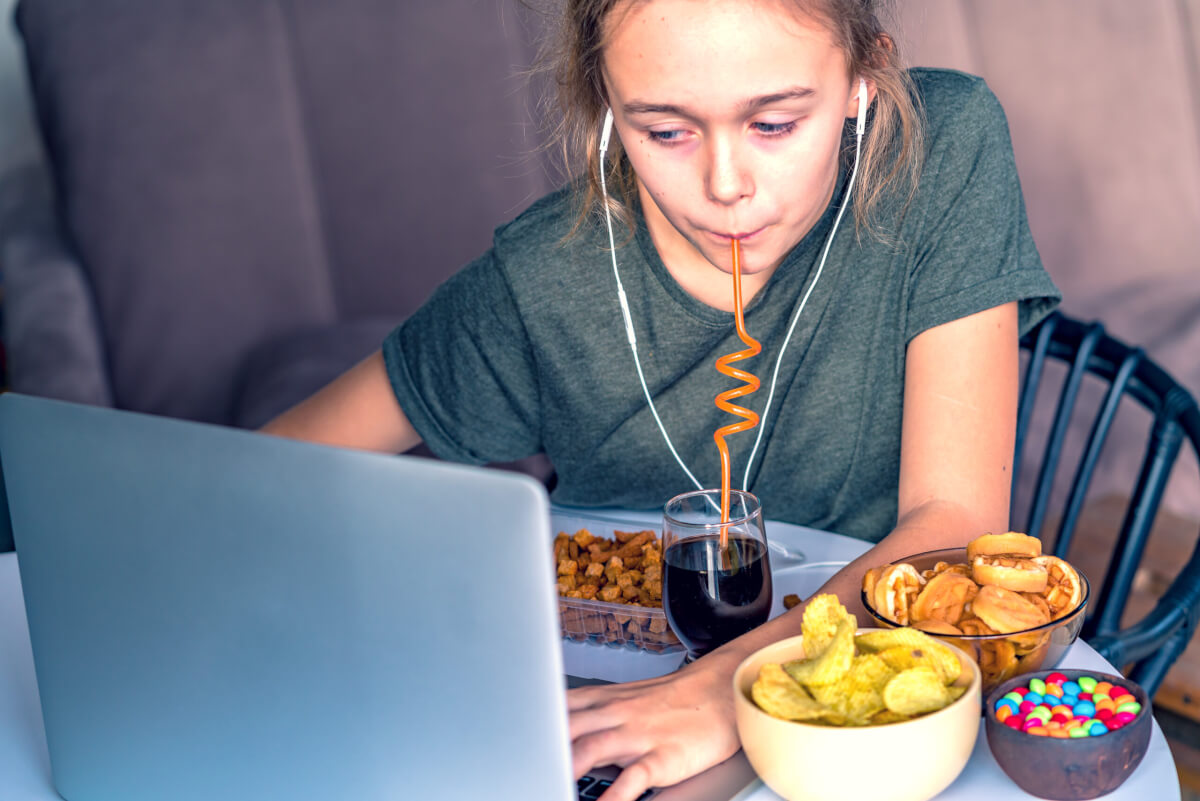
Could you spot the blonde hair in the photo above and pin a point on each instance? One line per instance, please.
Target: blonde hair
(892, 148)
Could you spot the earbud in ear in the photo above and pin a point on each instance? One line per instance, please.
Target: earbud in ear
(606, 132)
(863, 100)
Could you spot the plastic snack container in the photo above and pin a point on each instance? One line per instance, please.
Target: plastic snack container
(617, 625)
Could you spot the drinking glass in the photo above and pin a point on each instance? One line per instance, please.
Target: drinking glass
(714, 592)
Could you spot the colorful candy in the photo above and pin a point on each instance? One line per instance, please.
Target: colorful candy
(1061, 708)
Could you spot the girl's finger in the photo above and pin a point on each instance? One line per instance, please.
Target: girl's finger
(612, 746)
(634, 780)
(591, 720)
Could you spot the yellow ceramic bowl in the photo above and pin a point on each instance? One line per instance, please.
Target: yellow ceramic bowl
(909, 761)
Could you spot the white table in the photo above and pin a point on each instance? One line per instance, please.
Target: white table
(25, 763)
(1156, 778)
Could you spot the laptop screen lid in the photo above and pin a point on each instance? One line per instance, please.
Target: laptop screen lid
(217, 613)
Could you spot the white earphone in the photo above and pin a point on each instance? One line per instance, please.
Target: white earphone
(605, 135)
(864, 100)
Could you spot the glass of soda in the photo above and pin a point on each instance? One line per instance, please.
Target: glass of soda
(715, 587)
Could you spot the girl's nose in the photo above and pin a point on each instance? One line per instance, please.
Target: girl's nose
(729, 178)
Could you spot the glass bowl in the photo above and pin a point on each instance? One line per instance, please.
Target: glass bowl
(1002, 656)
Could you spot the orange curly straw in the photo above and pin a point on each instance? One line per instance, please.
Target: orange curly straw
(753, 348)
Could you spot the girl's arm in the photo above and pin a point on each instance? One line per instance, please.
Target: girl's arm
(957, 443)
(357, 410)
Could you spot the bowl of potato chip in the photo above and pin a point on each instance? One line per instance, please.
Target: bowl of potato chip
(811, 709)
(1013, 609)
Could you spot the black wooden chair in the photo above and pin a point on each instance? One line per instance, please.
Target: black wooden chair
(1144, 650)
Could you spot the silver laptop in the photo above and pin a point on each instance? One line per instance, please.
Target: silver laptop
(219, 614)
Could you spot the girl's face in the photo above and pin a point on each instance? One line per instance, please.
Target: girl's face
(731, 113)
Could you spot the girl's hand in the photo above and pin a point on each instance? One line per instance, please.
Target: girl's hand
(659, 731)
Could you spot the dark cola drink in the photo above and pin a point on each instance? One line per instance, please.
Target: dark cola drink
(712, 594)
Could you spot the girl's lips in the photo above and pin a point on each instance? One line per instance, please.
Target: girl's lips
(727, 237)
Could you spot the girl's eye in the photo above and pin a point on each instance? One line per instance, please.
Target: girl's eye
(665, 137)
(774, 128)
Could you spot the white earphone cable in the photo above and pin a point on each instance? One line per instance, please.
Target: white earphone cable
(799, 308)
(628, 317)
(629, 331)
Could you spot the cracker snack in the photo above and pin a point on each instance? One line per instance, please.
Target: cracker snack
(610, 589)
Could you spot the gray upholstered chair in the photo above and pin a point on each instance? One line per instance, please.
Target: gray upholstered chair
(249, 194)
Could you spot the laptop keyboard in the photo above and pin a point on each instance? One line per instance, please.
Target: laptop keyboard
(590, 788)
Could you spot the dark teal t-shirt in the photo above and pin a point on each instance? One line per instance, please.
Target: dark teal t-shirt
(524, 350)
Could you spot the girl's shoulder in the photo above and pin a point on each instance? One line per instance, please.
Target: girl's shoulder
(545, 236)
(955, 102)
(548, 219)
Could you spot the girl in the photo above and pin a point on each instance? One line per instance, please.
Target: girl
(890, 351)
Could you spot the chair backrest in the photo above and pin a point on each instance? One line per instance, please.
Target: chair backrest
(1088, 354)
(234, 171)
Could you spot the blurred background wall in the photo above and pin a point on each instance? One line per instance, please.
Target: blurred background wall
(1103, 101)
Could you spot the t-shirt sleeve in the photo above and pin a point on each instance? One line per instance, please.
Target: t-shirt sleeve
(975, 250)
(462, 370)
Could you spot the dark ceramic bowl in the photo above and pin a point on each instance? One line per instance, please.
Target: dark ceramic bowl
(1002, 656)
(1069, 769)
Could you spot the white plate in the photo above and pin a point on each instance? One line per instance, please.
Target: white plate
(803, 580)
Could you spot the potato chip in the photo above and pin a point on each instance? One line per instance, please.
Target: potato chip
(779, 695)
(945, 660)
(903, 657)
(908, 648)
(832, 662)
(858, 693)
(820, 623)
(886, 716)
(832, 717)
(916, 691)
(849, 679)
(873, 642)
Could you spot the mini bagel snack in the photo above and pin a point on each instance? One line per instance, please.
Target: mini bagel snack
(997, 603)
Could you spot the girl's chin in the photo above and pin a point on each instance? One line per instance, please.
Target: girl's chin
(751, 262)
